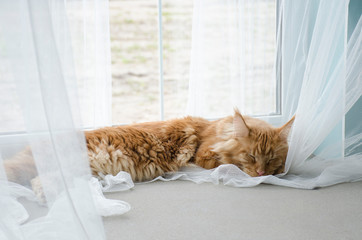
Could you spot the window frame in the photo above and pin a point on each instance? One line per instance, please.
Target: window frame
(274, 118)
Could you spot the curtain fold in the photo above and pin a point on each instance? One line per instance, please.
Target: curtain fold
(320, 83)
(55, 80)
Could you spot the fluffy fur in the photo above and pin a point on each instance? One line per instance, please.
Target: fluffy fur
(148, 150)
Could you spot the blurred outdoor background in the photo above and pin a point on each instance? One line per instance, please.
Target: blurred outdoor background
(135, 58)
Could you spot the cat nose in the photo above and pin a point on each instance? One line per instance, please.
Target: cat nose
(260, 172)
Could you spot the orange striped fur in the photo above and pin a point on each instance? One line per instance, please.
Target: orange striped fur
(148, 150)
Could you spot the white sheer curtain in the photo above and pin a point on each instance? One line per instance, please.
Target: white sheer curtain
(49, 50)
(54, 57)
(233, 51)
(321, 83)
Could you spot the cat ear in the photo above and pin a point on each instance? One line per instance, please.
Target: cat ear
(240, 127)
(285, 129)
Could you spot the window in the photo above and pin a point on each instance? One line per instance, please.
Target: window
(135, 58)
(135, 40)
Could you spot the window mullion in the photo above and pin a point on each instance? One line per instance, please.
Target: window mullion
(160, 47)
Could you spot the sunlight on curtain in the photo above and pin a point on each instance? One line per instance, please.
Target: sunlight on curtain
(45, 47)
(232, 58)
(88, 26)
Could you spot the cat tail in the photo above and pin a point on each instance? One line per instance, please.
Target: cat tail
(21, 167)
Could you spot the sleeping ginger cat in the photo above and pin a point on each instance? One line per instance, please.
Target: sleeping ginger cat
(148, 150)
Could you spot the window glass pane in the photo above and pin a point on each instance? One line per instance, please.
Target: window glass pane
(260, 23)
(177, 21)
(135, 58)
(135, 68)
(233, 58)
(11, 114)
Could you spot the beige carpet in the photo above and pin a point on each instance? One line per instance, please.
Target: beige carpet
(185, 210)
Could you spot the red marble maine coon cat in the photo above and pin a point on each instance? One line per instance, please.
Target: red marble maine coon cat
(148, 150)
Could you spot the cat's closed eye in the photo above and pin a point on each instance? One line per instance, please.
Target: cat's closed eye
(252, 158)
(271, 160)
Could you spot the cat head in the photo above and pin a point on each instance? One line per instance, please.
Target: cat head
(253, 145)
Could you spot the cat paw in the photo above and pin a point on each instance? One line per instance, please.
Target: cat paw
(38, 190)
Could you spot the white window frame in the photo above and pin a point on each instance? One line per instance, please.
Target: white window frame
(274, 118)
